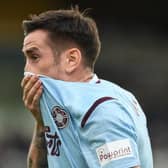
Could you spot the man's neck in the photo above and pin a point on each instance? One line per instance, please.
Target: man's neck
(87, 77)
(84, 75)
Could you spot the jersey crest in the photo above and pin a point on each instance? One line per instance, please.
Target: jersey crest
(60, 117)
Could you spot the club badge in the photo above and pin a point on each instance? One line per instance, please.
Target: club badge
(60, 117)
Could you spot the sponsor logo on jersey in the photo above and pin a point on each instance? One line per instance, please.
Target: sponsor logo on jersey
(60, 117)
(53, 142)
(114, 151)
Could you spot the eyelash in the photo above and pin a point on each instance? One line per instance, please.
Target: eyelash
(34, 57)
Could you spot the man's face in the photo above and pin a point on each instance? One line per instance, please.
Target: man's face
(40, 57)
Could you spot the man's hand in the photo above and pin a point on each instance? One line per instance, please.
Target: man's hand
(32, 90)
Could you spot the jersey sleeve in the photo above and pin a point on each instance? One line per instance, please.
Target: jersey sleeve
(110, 137)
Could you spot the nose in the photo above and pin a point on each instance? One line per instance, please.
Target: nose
(27, 67)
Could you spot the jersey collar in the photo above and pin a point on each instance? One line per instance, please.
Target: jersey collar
(95, 79)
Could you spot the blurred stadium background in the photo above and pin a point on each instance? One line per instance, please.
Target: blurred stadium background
(134, 55)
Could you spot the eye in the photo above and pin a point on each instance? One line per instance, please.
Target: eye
(34, 57)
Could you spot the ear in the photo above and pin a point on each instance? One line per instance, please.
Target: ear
(73, 59)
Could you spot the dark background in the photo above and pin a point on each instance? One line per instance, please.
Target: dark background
(134, 54)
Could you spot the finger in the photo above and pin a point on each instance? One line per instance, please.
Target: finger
(29, 96)
(34, 107)
(27, 87)
(37, 96)
(25, 80)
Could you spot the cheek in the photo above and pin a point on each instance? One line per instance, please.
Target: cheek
(40, 67)
(48, 68)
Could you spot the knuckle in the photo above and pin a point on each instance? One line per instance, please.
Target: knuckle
(25, 88)
(22, 82)
(31, 108)
(35, 100)
(26, 103)
(23, 98)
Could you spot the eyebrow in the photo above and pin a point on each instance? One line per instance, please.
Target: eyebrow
(30, 50)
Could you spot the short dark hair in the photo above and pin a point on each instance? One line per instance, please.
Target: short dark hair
(68, 25)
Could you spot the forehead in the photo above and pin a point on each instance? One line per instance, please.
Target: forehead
(36, 38)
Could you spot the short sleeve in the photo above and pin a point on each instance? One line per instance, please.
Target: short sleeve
(110, 137)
